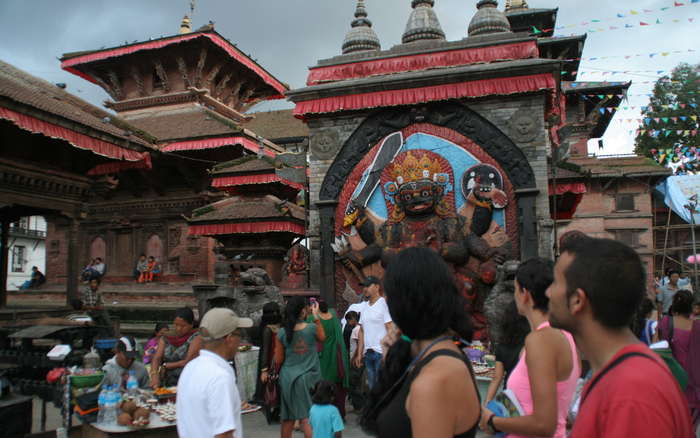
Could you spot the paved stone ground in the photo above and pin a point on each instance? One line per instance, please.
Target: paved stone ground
(254, 424)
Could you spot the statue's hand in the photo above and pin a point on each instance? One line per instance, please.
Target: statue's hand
(498, 255)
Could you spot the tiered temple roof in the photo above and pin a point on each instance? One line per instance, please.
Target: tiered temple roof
(188, 90)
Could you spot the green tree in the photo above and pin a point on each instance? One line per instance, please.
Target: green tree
(670, 113)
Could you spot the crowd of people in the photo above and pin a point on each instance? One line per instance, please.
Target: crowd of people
(581, 349)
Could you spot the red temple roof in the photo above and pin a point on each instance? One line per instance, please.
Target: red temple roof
(250, 214)
(37, 106)
(75, 62)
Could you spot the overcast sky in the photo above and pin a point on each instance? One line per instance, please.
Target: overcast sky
(287, 36)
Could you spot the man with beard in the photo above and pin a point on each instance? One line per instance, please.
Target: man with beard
(598, 285)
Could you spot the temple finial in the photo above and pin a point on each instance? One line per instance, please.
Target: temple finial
(185, 25)
(361, 36)
(488, 19)
(423, 23)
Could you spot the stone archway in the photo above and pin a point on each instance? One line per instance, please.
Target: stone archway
(454, 116)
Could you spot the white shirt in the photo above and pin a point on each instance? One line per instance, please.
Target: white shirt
(208, 402)
(373, 319)
(357, 307)
(354, 339)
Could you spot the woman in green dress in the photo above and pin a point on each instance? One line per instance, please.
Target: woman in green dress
(296, 350)
(334, 355)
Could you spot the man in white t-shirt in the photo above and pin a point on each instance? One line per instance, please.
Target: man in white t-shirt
(208, 403)
(375, 320)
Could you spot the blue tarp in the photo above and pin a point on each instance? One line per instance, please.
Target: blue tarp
(677, 191)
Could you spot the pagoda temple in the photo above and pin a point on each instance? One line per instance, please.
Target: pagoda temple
(189, 92)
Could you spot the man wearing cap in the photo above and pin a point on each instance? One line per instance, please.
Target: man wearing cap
(117, 369)
(208, 403)
(375, 320)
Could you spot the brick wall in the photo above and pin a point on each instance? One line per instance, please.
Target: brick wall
(597, 216)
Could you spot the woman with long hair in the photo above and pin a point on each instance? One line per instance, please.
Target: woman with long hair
(266, 388)
(683, 336)
(426, 387)
(334, 356)
(544, 380)
(295, 351)
(174, 352)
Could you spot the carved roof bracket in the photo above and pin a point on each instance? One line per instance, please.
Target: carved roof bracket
(162, 75)
(182, 67)
(200, 67)
(115, 84)
(138, 79)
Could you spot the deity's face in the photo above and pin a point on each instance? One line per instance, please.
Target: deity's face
(418, 198)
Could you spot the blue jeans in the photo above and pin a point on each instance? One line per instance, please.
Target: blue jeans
(373, 361)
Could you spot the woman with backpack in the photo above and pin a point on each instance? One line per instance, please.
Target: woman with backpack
(683, 336)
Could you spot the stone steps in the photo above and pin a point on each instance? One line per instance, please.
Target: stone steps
(138, 306)
(153, 294)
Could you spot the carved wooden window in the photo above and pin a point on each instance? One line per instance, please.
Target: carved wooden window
(624, 202)
(628, 237)
(18, 253)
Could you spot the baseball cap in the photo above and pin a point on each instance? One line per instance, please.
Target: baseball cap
(220, 321)
(127, 345)
(370, 280)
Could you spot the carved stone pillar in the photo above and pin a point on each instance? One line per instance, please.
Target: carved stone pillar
(326, 209)
(73, 262)
(4, 256)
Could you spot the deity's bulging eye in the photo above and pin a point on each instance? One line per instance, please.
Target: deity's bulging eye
(425, 193)
(407, 197)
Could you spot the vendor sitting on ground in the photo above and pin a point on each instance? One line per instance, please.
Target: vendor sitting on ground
(174, 352)
(36, 280)
(118, 368)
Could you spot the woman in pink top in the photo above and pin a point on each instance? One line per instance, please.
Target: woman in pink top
(545, 377)
(683, 334)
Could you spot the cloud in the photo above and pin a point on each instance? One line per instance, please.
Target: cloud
(288, 36)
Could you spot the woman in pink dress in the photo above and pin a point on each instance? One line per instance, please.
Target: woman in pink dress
(545, 377)
(683, 335)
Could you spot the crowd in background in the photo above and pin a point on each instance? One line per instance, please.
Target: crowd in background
(397, 356)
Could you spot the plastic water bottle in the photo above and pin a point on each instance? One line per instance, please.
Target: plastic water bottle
(111, 408)
(132, 383)
(102, 404)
